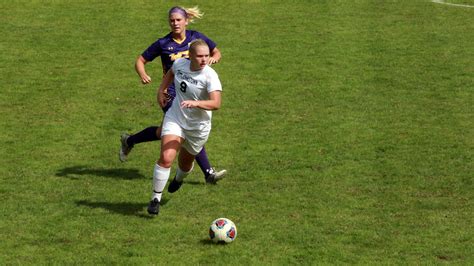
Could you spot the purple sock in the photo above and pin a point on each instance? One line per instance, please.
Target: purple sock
(148, 134)
(203, 162)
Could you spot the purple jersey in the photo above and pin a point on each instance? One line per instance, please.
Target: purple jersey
(169, 50)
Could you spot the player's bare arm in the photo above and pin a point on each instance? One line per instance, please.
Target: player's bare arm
(215, 56)
(214, 103)
(162, 97)
(140, 68)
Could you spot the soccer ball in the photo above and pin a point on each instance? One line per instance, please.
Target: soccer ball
(222, 230)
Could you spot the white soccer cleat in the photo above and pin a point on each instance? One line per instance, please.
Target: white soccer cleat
(214, 176)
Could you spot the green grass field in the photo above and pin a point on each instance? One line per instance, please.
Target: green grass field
(347, 130)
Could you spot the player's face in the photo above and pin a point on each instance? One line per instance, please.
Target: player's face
(199, 57)
(178, 23)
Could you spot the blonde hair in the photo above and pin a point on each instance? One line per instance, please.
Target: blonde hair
(193, 12)
(189, 13)
(196, 43)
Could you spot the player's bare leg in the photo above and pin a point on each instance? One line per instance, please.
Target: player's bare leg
(185, 166)
(170, 145)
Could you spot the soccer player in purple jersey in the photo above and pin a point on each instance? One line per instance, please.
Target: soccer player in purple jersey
(169, 48)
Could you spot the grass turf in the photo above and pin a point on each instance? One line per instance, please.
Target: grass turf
(346, 128)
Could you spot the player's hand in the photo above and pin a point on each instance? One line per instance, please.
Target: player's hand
(212, 61)
(162, 98)
(189, 104)
(145, 79)
(168, 97)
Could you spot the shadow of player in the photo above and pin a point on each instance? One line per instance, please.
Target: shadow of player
(123, 208)
(123, 173)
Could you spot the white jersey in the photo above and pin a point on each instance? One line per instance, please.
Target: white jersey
(192, 85)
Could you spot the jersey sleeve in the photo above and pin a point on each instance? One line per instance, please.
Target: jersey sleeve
(213, 82)
(153, 51)
(209, 42)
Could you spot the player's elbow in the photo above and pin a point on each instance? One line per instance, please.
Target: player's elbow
(140, 61)
(215, 101)
(217, 105)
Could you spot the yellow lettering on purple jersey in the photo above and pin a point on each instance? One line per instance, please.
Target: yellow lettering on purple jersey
(175, 56)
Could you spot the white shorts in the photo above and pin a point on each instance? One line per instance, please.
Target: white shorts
(194, 140)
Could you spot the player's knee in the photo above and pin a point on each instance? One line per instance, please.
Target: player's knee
(164, 163)
(166, 160)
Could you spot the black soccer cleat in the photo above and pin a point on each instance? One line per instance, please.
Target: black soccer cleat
(154, 207)
(174, 185)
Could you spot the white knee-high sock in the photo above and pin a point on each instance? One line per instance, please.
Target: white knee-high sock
(180, 174)
(160, 178)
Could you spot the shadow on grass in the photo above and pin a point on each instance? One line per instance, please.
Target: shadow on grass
(193, 182)
(208, 242)
(74, 171)
(123, 208)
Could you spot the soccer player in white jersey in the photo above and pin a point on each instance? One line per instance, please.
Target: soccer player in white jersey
(187, 123)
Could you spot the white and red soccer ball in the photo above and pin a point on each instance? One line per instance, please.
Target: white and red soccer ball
(222, 230)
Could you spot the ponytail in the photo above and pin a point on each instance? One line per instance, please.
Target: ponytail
(193, 13)
(190, 13)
